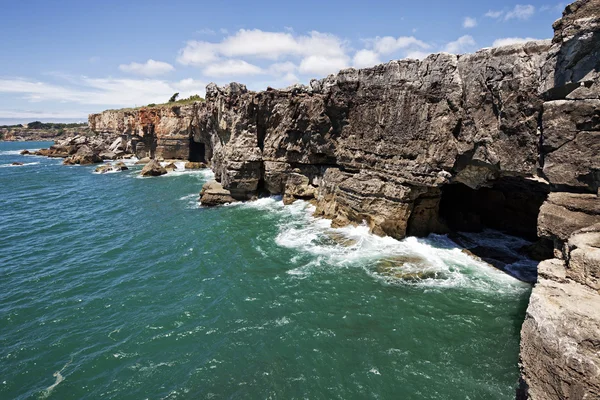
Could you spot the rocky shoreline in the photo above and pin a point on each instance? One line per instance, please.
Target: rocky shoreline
(26, 134)
(506, 138)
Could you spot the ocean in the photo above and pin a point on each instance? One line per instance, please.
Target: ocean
(120, 287)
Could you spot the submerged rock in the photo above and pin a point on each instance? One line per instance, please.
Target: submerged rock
(103, 169)
(120, 166)
(111, 168)
(153, 168)
(406, 268)
(17, 163)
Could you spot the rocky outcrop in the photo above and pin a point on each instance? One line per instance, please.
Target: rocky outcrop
(153, 168)
(84, 149)
(84, 155)
(213, 194)
(41, 132)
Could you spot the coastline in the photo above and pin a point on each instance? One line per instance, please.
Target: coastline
(447, 151)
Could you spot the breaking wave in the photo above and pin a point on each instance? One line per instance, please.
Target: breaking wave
(434, 261)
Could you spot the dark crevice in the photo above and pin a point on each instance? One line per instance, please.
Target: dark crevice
(511, 205)
(197, 151)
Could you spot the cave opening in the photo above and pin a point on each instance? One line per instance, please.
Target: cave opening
(510, 205)
(197, 151)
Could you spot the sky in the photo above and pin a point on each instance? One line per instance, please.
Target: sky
(61, 60)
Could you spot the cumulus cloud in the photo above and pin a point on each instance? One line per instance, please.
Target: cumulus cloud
(322, 65)
(521, 12)
(315, 53)
(265, 45)
(511, 40)
(365, 58)
(461, 45)
(232, 68)
(389, 44)
(282, 68)
(149, 68)
(417, 55)
(469, 22)
(102, 91)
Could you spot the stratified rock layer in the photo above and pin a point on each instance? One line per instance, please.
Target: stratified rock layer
(414, 147)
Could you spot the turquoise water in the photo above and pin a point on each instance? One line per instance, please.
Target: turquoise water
(117, 287)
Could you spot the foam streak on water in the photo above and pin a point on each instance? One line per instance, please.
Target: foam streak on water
(151, 296)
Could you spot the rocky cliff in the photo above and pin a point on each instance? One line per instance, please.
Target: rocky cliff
(413, 147)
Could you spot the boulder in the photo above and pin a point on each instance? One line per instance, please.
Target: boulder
(213, 194)
(84, 156)
(17, 163)
(143, 161)
(24, 152)
(153, 168)
(117, 145)
(195, 165)
(170, 167)
(108, 155)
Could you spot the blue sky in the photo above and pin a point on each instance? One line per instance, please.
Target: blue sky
(64, 59)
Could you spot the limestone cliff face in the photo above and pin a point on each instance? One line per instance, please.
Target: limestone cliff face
(164, 130)
(413, 147)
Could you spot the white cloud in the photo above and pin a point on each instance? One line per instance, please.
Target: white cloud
(494, 14)
(232, 68)
(365, 58)
(198, 53)
(102, 91)
(261, 44)
(469, 22)
(322, 65)
(149, 68)
(417, 55)
(512, 40)
(389, 44)
(461, 45)
(522, 12)
(282, 68)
